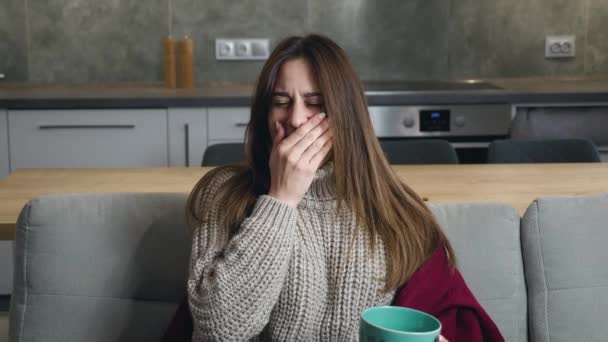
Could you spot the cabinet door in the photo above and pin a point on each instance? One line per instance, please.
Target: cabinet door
(4, 161)
(227, 124)
(88, 138)
(187, 136)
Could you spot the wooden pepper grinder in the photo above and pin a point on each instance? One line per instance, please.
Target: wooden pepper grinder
(186, 59)
(170, 62)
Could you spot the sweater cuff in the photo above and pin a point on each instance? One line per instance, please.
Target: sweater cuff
(274, 212)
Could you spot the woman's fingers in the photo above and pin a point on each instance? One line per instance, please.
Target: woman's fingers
(321, 154)
(308, 141)
(295, 158)
(303, 130)
(313, 149)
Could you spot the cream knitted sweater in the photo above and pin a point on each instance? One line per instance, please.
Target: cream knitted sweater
(288, 275)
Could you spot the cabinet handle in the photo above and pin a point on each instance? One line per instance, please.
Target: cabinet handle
(241, 124)
(187, 143)
(86, 127)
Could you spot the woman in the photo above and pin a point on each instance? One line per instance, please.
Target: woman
(315, 227)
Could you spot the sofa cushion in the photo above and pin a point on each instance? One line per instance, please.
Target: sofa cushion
(99, 267)
(564, 246)
(486, 241)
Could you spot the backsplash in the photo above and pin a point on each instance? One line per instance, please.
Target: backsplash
(81, 41)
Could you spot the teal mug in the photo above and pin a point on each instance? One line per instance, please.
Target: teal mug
(397, 324)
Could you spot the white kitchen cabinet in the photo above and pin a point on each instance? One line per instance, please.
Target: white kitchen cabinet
(187, 133)
(88, 138)
(227, 124)
(4, 161)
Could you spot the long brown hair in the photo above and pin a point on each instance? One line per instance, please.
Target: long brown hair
(365, 182)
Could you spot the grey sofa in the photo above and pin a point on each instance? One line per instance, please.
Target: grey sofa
(112, 267)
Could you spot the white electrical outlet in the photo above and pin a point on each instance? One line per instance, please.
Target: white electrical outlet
(224, 49)
(560, 46)
(242, 49)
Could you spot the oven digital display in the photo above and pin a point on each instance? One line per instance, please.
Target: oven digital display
(435, 120)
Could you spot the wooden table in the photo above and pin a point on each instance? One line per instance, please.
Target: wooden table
(515, 184)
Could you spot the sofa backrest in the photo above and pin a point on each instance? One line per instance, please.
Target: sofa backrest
(486, 240)
(99, 267)
(564, 247)
(88, 267)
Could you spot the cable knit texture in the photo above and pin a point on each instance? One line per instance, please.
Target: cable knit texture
(290, 274)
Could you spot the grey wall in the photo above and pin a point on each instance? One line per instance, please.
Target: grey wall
(13, 50)
(79, 41)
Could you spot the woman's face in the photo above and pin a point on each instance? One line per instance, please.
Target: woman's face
(296, 97)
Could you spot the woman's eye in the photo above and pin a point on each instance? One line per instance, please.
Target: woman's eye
(315, 104)
(281, 104)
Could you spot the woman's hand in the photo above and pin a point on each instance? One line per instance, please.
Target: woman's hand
(441, 339)
(295, 159)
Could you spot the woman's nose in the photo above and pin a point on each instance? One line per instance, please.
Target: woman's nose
(299, 115)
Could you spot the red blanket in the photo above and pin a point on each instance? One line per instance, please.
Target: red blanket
(443, 293)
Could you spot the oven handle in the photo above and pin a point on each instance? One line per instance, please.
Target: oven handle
(481, 144)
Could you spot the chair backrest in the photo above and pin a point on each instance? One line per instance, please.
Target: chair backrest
(486, 240)
(543, 151)
(564, 247)
(419, 152)
(561, 122)
(99, 267)
(224, 154)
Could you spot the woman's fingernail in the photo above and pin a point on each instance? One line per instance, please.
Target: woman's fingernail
(322, 115)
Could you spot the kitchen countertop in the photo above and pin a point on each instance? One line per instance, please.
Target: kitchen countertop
(222, 94)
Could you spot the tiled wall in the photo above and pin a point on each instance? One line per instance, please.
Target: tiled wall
(80, 41)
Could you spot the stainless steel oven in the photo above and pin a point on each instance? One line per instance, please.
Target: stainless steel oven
(469, 128)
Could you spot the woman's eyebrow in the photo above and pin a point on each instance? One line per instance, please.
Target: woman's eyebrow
(312, 94)
(280, 93)
(285, 94)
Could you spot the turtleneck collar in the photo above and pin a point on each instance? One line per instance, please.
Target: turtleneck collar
(322, 190)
